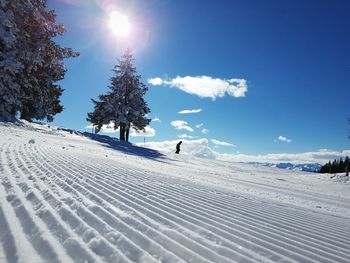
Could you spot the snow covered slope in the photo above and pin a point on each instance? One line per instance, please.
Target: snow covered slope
(65, 197)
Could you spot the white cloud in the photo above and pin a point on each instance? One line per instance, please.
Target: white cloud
(198, 148)
(181, 125)
(321, 157)
(283, 139)
(109, 128)
(155, 81)
(221, 143)
(190, 111)
(184, 136)
(148, 132)
(156, 119)
(199, 125)
(205, 86)
(204, 131)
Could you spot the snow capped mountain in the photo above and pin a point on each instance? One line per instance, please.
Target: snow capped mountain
(305, 167)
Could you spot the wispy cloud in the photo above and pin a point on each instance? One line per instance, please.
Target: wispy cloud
(186, 136)
(205, 86)
(283, 139)
(181, 125)
(156, 119)
(204, 131)
(190, 111)
(198, 126)
(221, 143)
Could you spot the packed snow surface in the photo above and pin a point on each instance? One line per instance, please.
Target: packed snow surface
(71, 197)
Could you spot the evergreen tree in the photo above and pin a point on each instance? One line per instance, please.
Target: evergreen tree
(123, 106)
(347, 162)
(29, 81)
(341, 166)
(10, 64)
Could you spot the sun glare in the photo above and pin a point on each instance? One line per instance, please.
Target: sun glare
(119, 24)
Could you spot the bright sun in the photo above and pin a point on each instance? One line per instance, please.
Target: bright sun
(119, 24)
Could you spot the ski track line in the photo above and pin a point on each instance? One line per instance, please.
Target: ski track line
(21, 246)
(168, 188)
(243, 230)
(39, 203)
(304, 195)
(342, 229)
(206, 202)
(280, 187)
(42, 243)
(318, 229)
(73, 248)
(142, 208)
(273, 190)
(276, 248)
(300, 242)
(8, 248)
(286, 217)
(150, 193)
(183, 252)
(188, 243)
(312, 221)
(186, 216)
(216, 229)
(276, 227)
(134, 253)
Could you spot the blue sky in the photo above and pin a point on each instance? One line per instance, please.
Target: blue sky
(293, 57)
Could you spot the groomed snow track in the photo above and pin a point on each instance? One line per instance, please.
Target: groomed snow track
(57, 206)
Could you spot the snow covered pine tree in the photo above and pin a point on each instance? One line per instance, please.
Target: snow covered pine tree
(123, 106)
(30, 61)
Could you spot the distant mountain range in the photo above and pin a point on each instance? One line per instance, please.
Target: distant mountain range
(305, 167)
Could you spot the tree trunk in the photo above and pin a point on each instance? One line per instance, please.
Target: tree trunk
(127, 134)
(25, 116)
(122, 132)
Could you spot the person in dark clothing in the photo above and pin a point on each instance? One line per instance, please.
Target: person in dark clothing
(178, 147)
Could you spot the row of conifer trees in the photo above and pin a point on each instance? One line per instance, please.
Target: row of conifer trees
(336, 166)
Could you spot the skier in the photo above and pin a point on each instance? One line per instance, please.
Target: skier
(178, 147)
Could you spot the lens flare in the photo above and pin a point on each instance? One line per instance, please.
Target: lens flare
(119, 24)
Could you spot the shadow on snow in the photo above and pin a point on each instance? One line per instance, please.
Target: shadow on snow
(112, 143)
(125, 147)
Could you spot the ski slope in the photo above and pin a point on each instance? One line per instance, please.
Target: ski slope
(65, 197)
